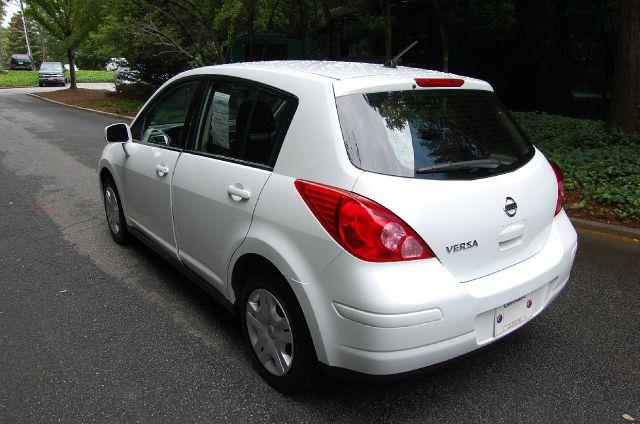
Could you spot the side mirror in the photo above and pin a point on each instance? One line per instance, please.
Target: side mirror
(118, 133)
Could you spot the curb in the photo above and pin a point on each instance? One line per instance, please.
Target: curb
(115, 115)
(601, 227)
(19, 86)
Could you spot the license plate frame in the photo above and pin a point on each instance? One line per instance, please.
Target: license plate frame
(512, 315)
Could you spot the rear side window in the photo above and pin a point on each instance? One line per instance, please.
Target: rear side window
(409, 133)
(244, 122)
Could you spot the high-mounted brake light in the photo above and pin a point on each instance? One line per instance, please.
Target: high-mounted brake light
(439, 82)
(361, 226)
(560, 180)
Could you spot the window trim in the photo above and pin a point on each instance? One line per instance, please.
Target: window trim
(208, 85)
(191, 112)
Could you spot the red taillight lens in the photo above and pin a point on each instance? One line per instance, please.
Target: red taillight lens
(560, 179)
(361, 226)
(439, 82)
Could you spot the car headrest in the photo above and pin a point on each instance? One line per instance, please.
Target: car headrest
(263, 120)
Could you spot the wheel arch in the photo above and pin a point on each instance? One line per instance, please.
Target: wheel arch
(255, 253)
(107, 171)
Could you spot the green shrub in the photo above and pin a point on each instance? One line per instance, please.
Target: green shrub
(604, 165)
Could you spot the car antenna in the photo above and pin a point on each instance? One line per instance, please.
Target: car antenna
(392, 62)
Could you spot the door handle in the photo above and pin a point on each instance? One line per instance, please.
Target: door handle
(237, 193)
(161, 170)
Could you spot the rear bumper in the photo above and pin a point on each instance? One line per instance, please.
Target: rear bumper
(385, 319)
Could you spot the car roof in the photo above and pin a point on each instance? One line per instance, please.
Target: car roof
(330, 69)
(345, 78)
(20, 55)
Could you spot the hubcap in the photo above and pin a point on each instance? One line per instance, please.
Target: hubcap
(269, 332)
(112, 210)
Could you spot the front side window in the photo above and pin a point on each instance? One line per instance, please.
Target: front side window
(165, 121)
(435, 134)
(244, 123)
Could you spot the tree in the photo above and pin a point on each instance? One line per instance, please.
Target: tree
(624, 110)
(2, 35)
(69, 21)
(16, 42)
(452, 15)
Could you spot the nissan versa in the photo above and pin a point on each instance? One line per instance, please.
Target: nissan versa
(360, 219)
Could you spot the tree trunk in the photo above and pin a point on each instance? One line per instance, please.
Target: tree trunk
(304, 28)
(624, 110)
(251, 7)
(43, 53)
(71, 55)
(269, 28)
(386, 10)
(1, 50)
(326, 8)
(444, 35)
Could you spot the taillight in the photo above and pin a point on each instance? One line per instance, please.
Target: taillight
(560, 180)
(361, 226)
(439, 82)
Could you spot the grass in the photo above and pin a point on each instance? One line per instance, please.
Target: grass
(114, 104)
(601, 168)
(30, 78)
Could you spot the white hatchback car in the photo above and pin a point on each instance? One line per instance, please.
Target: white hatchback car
(360, 219)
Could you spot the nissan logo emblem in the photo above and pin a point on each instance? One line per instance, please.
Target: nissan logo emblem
(510, 207)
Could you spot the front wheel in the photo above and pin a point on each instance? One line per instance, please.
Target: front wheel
(115, 214)
(276, 333)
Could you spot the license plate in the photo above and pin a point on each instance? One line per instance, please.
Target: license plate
(20, 63)
(512, 314)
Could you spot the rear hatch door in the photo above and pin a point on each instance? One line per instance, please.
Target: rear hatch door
(454, 166)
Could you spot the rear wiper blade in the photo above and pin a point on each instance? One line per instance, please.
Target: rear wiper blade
(454, 166)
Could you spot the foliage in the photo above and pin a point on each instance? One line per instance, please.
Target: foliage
(604, 165)
(69, 21)
(19, 79)
(30, 78)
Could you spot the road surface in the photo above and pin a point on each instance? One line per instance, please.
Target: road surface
(94, 332)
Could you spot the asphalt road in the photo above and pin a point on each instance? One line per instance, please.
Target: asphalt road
(94, 332)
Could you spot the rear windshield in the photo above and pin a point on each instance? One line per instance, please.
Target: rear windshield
(415, 133)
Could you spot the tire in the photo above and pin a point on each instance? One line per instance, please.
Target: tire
(302, 369)
(113, 209)
(40, 84)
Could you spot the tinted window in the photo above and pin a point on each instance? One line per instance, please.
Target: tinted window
(402, 132)
(51, 66)
(164, 122)
(226, 119)
(244, 123)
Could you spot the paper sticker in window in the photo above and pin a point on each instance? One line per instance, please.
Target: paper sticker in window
(220, 120)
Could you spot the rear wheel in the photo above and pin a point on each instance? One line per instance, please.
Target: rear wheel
(276, 333)
(114, 212)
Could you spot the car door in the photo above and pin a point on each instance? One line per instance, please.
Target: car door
(219, 178)
(159, 135)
